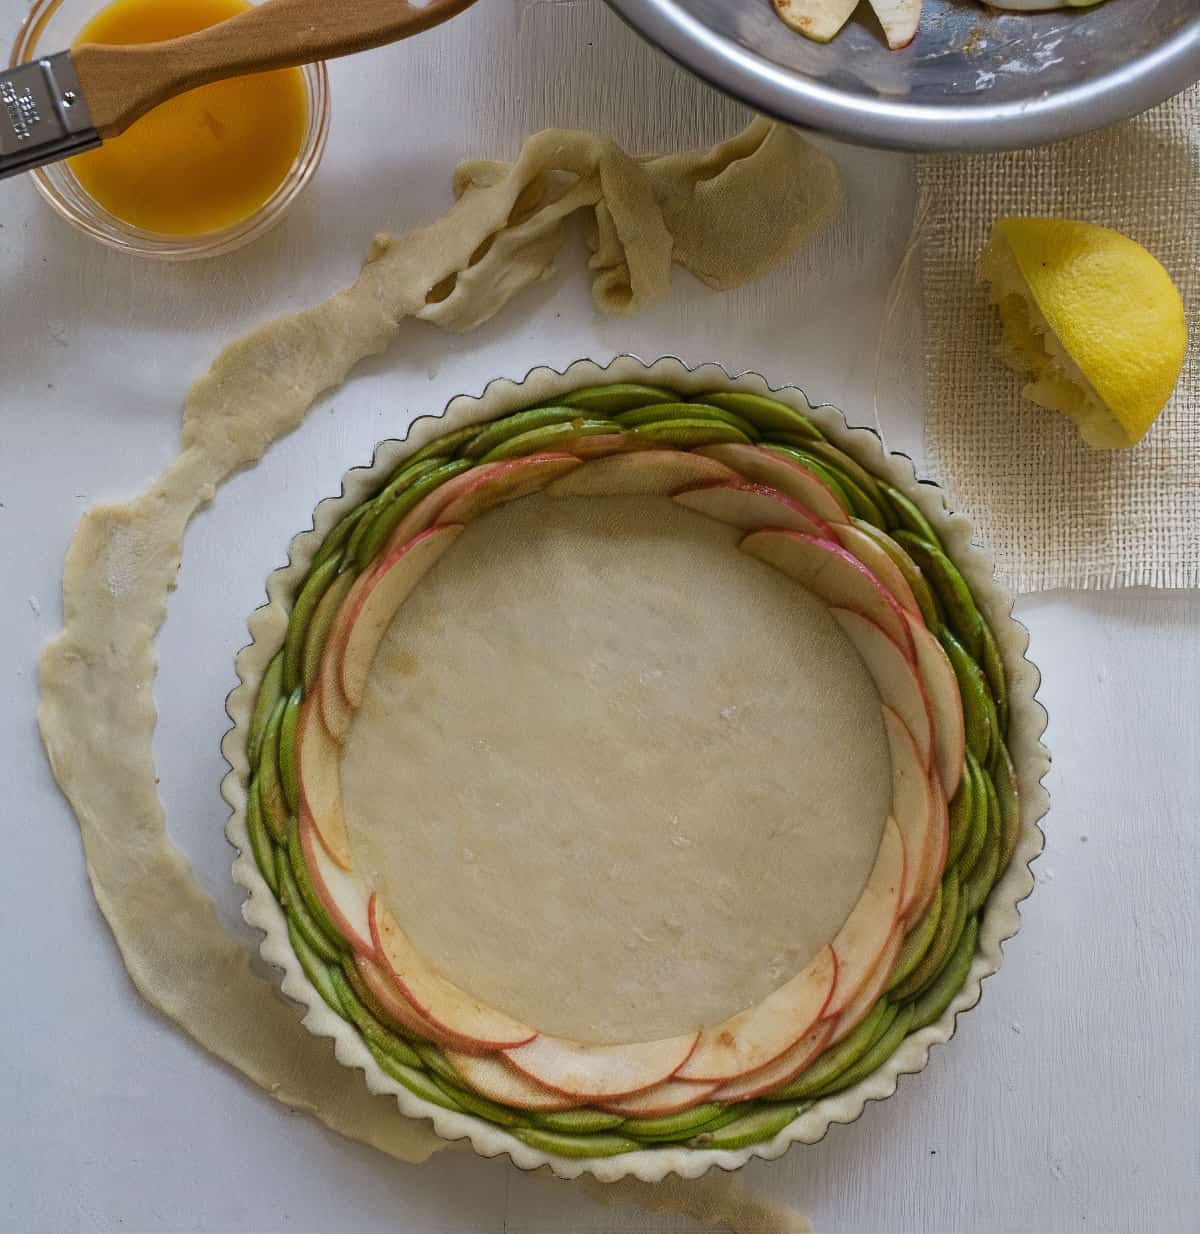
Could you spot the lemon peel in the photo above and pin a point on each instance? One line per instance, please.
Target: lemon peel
(1092, 318)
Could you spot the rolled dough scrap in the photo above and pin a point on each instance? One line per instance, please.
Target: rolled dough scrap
(96, 712)
(613, 776)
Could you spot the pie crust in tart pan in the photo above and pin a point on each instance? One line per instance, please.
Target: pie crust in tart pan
(749, 642)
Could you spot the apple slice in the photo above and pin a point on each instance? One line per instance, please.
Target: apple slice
(761, 1034)
(782, 1071)
(899, 19)
(394, 1003)
(644, 473)
(319, 777)
(491, 1077)
(818, 20)
(504, 480)
(601, 444)
(342, 893)
(439, 1000)
(876, 560)
(833, 574)
(390, 582)
(933, 859)
(945, 705)
(867, 932)
(895, 678)
(600, 1072)
(912, 807)
(669, 1097)
(760, 466)
(752, 506)
(858, 1008)
(496, 483)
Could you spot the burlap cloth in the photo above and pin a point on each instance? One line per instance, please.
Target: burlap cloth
(1055, 512)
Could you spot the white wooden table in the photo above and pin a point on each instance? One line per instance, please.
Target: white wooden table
(1065, 1103)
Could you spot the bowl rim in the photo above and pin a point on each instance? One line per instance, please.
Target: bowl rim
(807, 103)
(1001, 920)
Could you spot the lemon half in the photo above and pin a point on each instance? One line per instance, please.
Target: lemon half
(1092, 318)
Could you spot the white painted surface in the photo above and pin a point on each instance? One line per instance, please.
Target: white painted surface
(1065, 1103)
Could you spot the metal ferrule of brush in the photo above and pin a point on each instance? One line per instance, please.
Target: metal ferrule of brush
(43, 115)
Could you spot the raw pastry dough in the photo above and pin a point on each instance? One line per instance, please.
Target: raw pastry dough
(725, 214)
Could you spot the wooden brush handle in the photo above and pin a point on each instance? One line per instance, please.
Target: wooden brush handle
(122, 83)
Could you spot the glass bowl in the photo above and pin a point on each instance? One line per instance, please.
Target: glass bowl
(51, 26)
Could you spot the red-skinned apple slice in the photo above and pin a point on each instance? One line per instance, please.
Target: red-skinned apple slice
(867, 931)
(895, 678)
(899, 19)
(669, 1097)
(491, 1077)
(395, 1004)
(782, 1071)
(759, 466)
(643, 473)
(390, 582)
(600, 1072)
(342, 893)
(450, 1009)
(836, 576)
(336, 713)
(868, 551)
(751, 506)
(496, 483)
(500, 481)
(319, 776)
(933, 859)
(874, 986)
(761, 1034)
(912, 808)
(945, 706)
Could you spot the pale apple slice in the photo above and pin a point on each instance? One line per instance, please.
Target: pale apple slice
(895, 677)
(319, 778)
(439, 1000)
(760, 466)
(336, 713)
(945, 705)
(868, 995)
(670, 1097)
(933, 859)
(644, 473)
(491, 1077)
(834, 575)
(398, 572)
(761, 1034)
(869, 552)
(782, 1071)
(395, 1004)
(912, 807)
(818, 20)
(600, 1072)
(899, 19)
(867, 932)
(496, 483)
(342, 893)
(752, 506)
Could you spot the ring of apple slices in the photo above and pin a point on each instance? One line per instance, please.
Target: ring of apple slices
(807, 509)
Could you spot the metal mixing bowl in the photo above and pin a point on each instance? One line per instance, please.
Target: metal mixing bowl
(974, 78)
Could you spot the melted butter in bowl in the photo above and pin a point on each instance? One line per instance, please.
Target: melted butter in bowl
(206, 160)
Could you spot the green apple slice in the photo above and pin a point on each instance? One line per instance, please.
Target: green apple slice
(1004, 780)
(908, 514)
(315, 969)
(767, 414)
(270, 691)
(490, 1075)
(318, 770)
(894, 675)
(292, 900)
(387, 513)
(945, 706)
(575, 1122)
(752, 507)
(414, 1079)
(496, 484)
(300, 618)
(690, 433)
(753, 1128)
(372, 1031)
(978, 710)
(287, 750)
(473, 1103)
(868, 931)
(377, 603)
(875, 1057)
(930, 612)
(944, 577)
(835, 576)
(818, 20)
(663, 1100)
(552, 437)
(575, 1145)
(674, 1126)
(950, 982)
(342, 894)
(761, 1034)
(944, 936)
(270, 786)
(759, 465)
(782, 1071)
(260, 840)
(450, 1009)
(322, 622)
(916, 943)
(838, 1058)
(620, 396)
(599, 1072)
(644, 473)
(661, 412)
(502, 430)
(973, 842)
